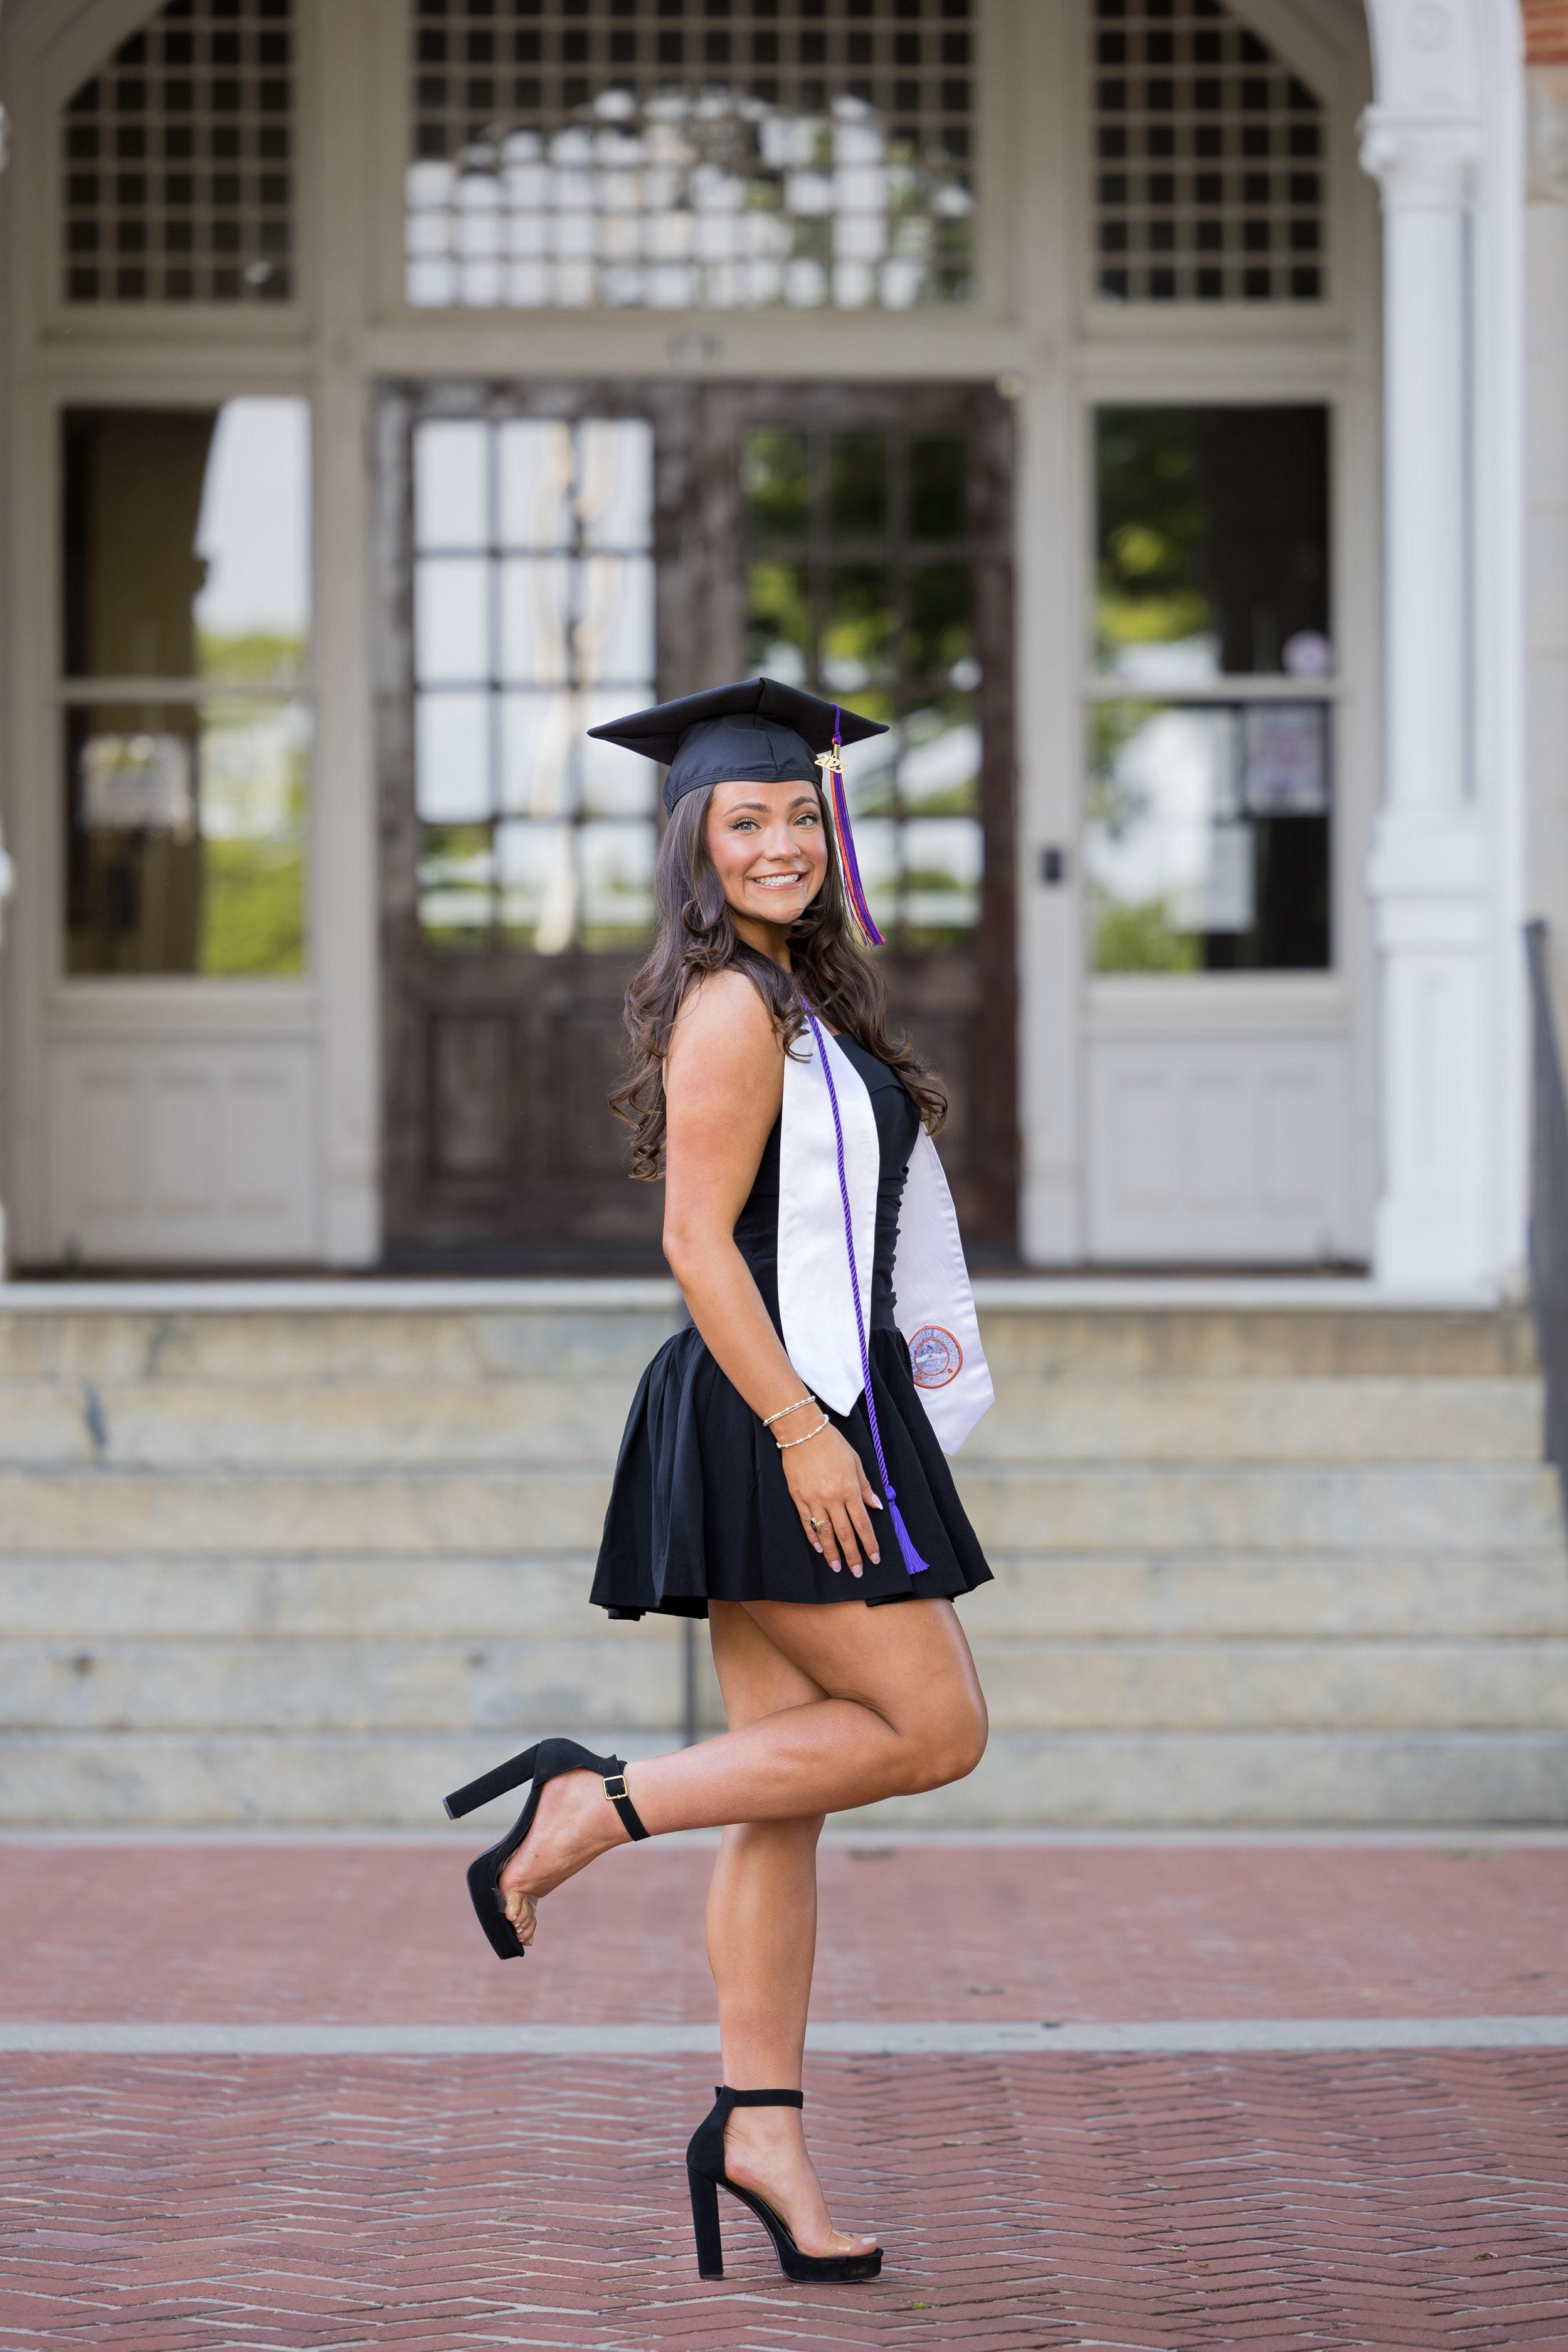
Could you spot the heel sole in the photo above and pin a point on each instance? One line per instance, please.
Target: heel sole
(500, 1933)
(829, 2270)
(805, 2269)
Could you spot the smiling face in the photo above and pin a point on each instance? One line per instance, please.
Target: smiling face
(769, 847)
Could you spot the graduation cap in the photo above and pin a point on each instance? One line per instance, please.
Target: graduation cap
(756, 732)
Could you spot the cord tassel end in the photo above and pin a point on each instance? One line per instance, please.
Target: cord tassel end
(912, 1559)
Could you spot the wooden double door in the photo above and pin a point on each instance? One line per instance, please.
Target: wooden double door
(554, 554)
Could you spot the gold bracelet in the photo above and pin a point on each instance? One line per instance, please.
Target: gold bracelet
(783, 1445)
(785, 1410)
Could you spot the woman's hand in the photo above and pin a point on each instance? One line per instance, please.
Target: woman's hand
(833, 1495)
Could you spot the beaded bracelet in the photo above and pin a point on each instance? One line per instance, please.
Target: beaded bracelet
(785, 1410)
(783, 1444)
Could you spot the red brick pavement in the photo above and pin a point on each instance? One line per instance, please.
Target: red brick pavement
(1174, 2205)
(256, 1934)
(1169, 2204)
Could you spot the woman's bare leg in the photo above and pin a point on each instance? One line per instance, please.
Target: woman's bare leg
(903, 1712)
(761, 1944)
(761, 1902)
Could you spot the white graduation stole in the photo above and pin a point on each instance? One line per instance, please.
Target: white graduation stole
(930, 1282)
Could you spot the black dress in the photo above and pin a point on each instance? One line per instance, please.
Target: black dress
(700, 1509)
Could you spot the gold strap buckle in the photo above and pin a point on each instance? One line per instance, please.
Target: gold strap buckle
(615, 1786)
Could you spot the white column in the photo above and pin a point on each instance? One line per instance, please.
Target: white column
(1428, 873)
(1547, 516)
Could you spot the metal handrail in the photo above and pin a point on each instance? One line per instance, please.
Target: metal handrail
(1549, 1200)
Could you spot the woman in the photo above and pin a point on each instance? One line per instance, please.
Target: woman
(759, 1046)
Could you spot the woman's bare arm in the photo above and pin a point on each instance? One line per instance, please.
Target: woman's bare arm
(723, 1086)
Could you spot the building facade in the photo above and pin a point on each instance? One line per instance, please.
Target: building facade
(1156, 409)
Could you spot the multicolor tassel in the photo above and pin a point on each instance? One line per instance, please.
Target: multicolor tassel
(831, 762)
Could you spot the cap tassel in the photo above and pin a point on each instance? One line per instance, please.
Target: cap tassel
(831, 762)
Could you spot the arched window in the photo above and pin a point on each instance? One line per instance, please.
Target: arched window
(579, 153)
(177, 161)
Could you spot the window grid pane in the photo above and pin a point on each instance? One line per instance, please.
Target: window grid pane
(1206, 844)
(579, 153)
(176, 161)
(860, 586)
(533, 621)
(186, 847)
(185, 537)
(1208, 834)
(1209, 160)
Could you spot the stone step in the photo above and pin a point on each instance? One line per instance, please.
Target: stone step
(570, 1330)
(1092, 1778)
(320, 1511)
(533, 1417)
(426, 1595)
(1019, 1508)
(1284, 1684)
(294, 1348)
(1149, 1341)
(1171, 1594)
(1264, 1419)
(366, 1684)
(180, 1425)
(376, 1685)
(466, 1597)
(1264, 1508)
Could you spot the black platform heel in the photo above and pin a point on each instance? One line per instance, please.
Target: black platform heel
(706, 2176)
(545, 1762)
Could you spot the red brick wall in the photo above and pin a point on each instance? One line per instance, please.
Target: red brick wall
(1546, 31)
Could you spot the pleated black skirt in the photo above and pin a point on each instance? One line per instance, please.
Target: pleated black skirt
(700, 1509)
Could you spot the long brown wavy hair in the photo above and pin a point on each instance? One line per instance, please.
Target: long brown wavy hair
(694, 935)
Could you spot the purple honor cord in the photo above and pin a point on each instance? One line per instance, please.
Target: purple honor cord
(912, 1559)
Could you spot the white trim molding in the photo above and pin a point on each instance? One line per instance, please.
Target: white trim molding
(1446, 876)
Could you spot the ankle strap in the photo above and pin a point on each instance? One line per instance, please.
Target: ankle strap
(723, 2092)
(619, 1796)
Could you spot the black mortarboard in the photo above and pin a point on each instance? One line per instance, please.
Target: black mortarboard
(754, 733)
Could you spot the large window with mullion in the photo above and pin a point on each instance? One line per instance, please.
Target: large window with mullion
(1207, 842)
(534, 620)
(184, 689)
(861, 576)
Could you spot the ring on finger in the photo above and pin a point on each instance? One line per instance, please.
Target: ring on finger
(814, 1525)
